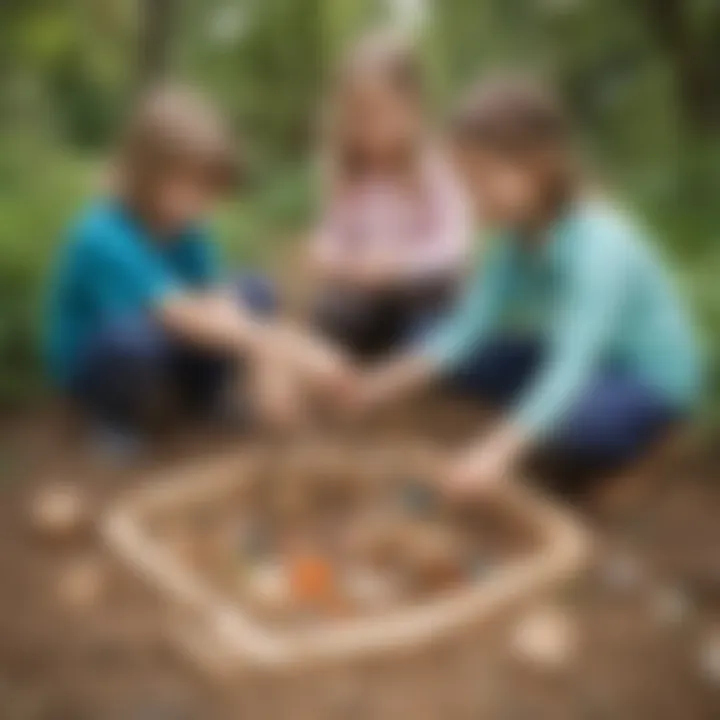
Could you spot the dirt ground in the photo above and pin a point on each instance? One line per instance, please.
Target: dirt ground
(641, 626)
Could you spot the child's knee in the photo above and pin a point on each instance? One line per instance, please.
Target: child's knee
(612, 434)
(498, 372)
(129, 344)
(123, 377)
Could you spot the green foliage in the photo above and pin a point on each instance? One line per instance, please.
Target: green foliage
(38, 191)
(258, 225)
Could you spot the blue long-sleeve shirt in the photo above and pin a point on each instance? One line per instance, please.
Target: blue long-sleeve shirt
(109, 268)
(595, 293)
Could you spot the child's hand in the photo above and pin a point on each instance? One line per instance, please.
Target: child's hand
(312, 357)
(367, 394)
(334, 374)
(474, 474)
(328, 374)
(357, 394)
(279, 401)
(331, 375)
(351, 396)
(386, 384)
(485, 468)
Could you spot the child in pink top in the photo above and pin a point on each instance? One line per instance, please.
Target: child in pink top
(395, 235)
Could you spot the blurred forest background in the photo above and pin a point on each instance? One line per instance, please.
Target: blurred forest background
(643, 76)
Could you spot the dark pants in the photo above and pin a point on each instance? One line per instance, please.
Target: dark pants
(615, 418)
(134, 373)
(372, 324)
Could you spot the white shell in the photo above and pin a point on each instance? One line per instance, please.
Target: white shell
(546, 637)
(709, 659)
(57, 511)
(269, 583)
(671, 605)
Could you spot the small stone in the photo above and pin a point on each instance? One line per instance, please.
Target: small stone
(419, 499)
(269, 584)
(622, 572)
(709, 657)
(546, 638)
(479, 568)
(58, 512)
(254, 541)
(671, 605)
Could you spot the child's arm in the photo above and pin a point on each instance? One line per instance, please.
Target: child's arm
(392, 382)
(211, 320)
(459, 335)
(588, 309)
(137, 274)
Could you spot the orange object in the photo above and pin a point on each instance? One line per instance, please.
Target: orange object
(312, 580)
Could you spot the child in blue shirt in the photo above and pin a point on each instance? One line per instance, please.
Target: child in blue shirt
(139, 325)
(571, 324)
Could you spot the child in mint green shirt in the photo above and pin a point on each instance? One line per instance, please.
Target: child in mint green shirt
(570, 324)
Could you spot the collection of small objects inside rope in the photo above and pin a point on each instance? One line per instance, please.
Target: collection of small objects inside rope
(303, 547)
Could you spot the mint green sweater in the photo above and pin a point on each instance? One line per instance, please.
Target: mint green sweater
(595, 293)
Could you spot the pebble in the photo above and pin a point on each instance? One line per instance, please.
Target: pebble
(269, 583)
(709, 657)
(671, 605)
(58, 512)
(545, 638)
(254, 541)
(419, 499)
(622, 572)
(479, 568)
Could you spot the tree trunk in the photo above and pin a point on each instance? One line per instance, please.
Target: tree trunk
(157, 19)
(695, 60)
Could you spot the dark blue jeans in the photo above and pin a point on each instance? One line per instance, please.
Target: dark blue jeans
(134, 373)
(614, 419)
(373, 324)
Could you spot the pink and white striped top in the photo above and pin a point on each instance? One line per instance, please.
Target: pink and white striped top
(424, 232)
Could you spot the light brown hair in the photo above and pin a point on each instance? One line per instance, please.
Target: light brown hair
(521, 119)
(513, 115)
(173, 129)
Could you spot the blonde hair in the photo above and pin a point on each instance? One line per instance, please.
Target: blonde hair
(384, 55)
(174, 129)
(388, 55)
